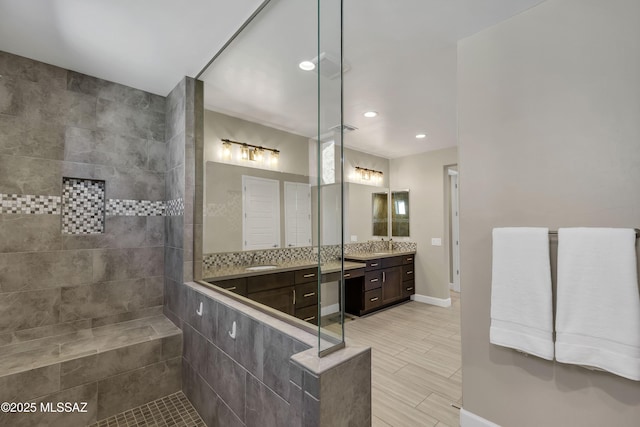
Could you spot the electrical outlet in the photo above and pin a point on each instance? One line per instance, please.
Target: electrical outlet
(354, 238)
(436, 241)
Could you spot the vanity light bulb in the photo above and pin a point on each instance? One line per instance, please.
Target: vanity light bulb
(274, 158)
(244, 153)
(259, 156)
(226, 151)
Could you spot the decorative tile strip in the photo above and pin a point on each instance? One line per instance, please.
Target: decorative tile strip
(125, 207)
(270, 256)
(175, 207)
(29, 204)
(82, 206)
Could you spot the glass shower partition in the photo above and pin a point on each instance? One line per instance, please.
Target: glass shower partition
(273, 121)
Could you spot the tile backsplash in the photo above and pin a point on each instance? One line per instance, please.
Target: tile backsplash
(275, 256)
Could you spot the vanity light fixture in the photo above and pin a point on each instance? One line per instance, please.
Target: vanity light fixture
(369, 174)
(307, 66)
(251, 152)
(370, 114)
(421, 136)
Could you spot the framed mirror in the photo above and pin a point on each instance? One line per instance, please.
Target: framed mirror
(380, 214)
(400, 213)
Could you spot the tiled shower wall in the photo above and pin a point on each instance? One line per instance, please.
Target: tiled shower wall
(56, 123)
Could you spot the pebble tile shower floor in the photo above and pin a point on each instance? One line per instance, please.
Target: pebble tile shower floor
(174, 410)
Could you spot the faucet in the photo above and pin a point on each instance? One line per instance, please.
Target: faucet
(390, 244)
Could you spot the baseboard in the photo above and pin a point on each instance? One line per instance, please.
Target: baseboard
(452, 286)
(440, 302)
(469, 419)
(330, 309)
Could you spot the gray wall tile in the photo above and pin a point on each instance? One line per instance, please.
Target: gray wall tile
(175, 299)
(230, 383)
(39, 270)
(11, 96)
(175, 149)
(109, 363)
(29, 233)
(200, 394)
(124, 317)
(172, 346)
(174, 229)
(109, 298)
(175, 183)
(264, 407)
(86, 393)
(79, 110)
(30, 384)
(205, 324)
(175, 110)
(17, 176)
(105, 148)
(119, 232)
(133, 388)
(156, 156)
(173, 263)
(278, 349)
(17, 139)
(155, 231)
(121, 264)
(131, 121)
(24, 310)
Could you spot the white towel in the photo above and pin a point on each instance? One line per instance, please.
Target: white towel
(598, 306)
(521, 301)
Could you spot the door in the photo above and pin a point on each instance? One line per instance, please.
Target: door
(297, 214)
(455, 231)
(261, 213)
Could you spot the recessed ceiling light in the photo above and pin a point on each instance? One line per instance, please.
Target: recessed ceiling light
(421, 135)
(307, 65)
(371, 114)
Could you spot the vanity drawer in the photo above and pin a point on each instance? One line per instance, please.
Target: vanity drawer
(372, 264)
(308, 314)
(264, 282)
(351, 274)
(372, 280)
(408, 259)
(238, 286)
(391, 261)
(306, 295)
(306, 275)
(408, 289)
(372, 299)
(408, 272)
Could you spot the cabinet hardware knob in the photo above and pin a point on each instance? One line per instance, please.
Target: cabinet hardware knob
(347, 275)
(409, 259)
(384, 277)
(374, 265)
(309, 275)
(373, 280)
(233, 288)
(309, 318)
(294, 297)
(410, 289)
(310, 294)
(374, 299)
(409, 272)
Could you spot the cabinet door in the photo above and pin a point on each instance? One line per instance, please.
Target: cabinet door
(280, 299)
(391, 284)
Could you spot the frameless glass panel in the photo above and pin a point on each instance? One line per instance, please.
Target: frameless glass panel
(272, 173)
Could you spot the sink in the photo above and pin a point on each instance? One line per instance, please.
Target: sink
(261, 267)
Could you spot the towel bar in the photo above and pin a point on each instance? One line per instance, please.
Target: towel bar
(555, 233)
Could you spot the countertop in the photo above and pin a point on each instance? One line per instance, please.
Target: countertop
(366, 256)
(240, 271)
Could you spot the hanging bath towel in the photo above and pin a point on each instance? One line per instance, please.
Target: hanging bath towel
(598, 305)
(521, 301)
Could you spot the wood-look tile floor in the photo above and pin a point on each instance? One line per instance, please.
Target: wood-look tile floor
(416, 364)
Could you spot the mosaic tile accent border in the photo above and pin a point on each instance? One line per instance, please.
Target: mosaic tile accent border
(174, 410)
(125, 207)
(175, 207)
(30, 204)
(267, 256)
(82, 206)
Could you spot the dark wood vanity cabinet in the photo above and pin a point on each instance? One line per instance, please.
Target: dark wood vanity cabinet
(292, 292)
(386, 281)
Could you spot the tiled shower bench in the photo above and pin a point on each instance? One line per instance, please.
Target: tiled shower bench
(113, 368)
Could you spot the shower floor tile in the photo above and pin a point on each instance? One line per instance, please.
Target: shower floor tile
(174, 410)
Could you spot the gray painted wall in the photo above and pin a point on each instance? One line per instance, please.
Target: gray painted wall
(549, 136)
(426, 178)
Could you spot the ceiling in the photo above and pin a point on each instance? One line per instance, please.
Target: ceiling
(402, 57)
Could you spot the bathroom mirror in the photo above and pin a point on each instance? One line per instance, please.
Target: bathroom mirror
(380, 204)
(400, 213)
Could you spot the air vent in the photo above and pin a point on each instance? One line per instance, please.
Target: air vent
(328, 65)
(345, 128)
